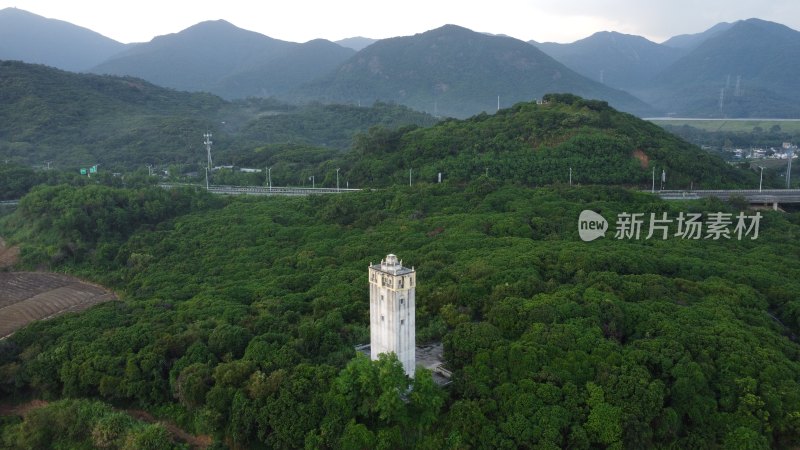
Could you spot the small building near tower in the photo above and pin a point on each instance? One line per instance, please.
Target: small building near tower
(392, 310)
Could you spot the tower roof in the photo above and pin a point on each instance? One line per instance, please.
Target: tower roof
(392, 266)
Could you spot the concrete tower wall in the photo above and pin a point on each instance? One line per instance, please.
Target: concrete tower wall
(392, 309)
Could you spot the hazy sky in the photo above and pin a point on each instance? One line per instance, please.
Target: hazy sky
(303, 20)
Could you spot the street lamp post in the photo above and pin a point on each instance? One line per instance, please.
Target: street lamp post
(269, 177)
(653, 189)
(760, 178)
(313, 185)
(337, 179)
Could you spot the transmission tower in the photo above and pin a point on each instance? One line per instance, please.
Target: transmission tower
(208, 147)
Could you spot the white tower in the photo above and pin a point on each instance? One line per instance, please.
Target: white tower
(391, 311)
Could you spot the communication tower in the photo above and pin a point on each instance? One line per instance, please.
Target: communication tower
(208, 148)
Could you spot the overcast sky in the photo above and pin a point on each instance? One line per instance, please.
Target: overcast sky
(303, 20)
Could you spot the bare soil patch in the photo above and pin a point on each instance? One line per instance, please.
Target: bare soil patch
(8, 255)
(29, 296)
(644, 160)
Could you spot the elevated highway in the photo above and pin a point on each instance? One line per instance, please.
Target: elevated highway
(262, 190)
(767, 197)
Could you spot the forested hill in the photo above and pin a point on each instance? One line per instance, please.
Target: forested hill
(73, 119)
(537, 144)
(49, 114)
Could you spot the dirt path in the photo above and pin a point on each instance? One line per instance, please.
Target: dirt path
(8, 255)
(197, 442)
(20, 409)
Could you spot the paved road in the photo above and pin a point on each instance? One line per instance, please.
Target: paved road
(751, 195)
(261, 190)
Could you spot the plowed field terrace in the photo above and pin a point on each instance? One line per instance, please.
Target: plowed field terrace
(29, 296)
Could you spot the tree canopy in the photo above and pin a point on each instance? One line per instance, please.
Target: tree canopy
(239, 319)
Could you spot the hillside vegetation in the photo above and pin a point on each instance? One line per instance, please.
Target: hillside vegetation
(123, 123)
(75, 120)
(239, 320)
(537, 144)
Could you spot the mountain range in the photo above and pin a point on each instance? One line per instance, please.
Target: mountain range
(616, 59)
(454, 71)
(741, 69)
(31, 38)
(217, 57)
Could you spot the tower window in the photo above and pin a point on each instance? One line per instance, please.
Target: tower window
(401, 301)
(402, 321)
(381, 318)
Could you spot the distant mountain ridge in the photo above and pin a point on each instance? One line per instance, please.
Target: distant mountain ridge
(455, 71)
(218, 57)
(691, 41)
(28, 37)
(748, 70)
(619, 60)
(357, 43)
(740, 69)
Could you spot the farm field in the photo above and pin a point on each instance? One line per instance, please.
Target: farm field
(29, 296)
(733, 125)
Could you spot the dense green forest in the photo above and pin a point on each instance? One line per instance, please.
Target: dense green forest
(239, 316)
(538, 144)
